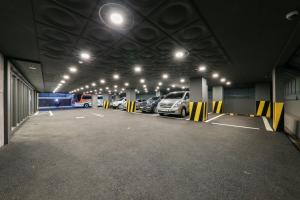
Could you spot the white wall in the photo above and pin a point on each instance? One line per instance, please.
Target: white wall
(1, 100)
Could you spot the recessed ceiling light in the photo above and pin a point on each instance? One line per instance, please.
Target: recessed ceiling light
(228, 83)
(173, 85)
(85, 56)
(100, 89)
(116, 90)
(157, 87)
(144, 86)
(168, 89)
(123, 89)
(80, 61)
(93, 84)
(179, 54)
(126, 84)
(107, 88)
(116, 76)
(102, 81)
(115, 86)
(32, 68)
(142, 80)
(59, 84)
(215, 75)
(165, 76)
(223, 80)
(183, 87)
(116, 18)
(81, 88)
(137, 69)
(73, 69)
(66, 77)
(202, 68)
(182, 80)
(87, 86)
(63, 81)
(160, 83)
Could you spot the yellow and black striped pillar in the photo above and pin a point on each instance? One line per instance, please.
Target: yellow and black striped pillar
(131, 107)
(263, 108)
(198, 111)
(217, 107)
(105, 104)
(278, 116)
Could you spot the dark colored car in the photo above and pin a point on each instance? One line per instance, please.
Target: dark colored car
(150, 105)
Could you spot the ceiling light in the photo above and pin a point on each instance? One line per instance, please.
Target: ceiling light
(137, 69)
(223, 80)
(93, 84)
(123, 89)
(157, 87)
(182, 80)
(32, 68)
(179, 54)
(63, 81)
(142, 80)
(115, 86)
(228, 83)
(168, 89)
(160, 83)
(126, 84)
(81, 88)
(116, 18)
(102, 81)
(116, 76)
(66, 77)
(144, 86)
(165, 76)
(215, 75)
(202, 68)
(116, 90)
(80, 61)
(173, 85)
(87, 86)
(73, 69)
(59, 84)
(100, 89)
(85, 56)
(183, 87)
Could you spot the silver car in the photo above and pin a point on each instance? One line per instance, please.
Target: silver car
(174, 103)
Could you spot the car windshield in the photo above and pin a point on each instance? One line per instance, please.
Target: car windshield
(175, 95)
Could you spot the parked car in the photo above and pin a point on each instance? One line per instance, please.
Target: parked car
(139, 102)
(174, 103)
(150, 105)
(119, 103)
(82, 100)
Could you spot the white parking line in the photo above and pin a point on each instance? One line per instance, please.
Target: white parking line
(247, 127)
(79, 117)
(214, 118)
(36, 113)
(50, 113)
(98, 115)
(267, 124)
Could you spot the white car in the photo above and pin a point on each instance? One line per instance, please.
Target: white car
(174, 103)
(119, 103)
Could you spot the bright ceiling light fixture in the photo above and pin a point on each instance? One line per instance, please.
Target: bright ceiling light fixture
(102, 81)
(93, 84)
(160, 83)
(67, 77)
(115, 86)
(142, 80)
(173, 85)
(116, 76)
(107, 88)
(87, 86)
(215, 75)
(126, 84)
(85, 56)
(168, 89)
(80, 61)
(228, 83)
(179, 54)
(222, 80)
(116, 18)
(63, 81)
(165, 76)
(73, 69)
(144, 86)
(81, 88)
(202, 68)
(182, 80)
(137, 69)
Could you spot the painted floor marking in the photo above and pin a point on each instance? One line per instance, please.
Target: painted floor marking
(247, 127)
(36, 113)
(50, 113)
(214, 118)
(79, 117)
(267, 124)
(98, 115)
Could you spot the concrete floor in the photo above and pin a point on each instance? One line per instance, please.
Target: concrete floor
(106, 154)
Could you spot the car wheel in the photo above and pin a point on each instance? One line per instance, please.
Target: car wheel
(183, 112)
(119, 106)
(86, 105)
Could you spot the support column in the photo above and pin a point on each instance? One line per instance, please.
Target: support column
(94, 101)
(198, 106)
(263, 99)
(131, 98)
(278, 99)
(217, 99)
(106, 100)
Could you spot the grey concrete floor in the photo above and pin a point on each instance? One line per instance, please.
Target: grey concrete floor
(106, 154)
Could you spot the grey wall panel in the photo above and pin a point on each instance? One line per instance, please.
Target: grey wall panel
(292, 117)
(263, 91)
(1, 100)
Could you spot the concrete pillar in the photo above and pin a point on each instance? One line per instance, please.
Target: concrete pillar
(157, 93)
(198, 108)
(217, 99)
(278, 99)
(1, 100)
(131, 98)
(263, 99)
(94, 101)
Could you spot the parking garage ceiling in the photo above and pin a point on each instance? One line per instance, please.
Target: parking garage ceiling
(240, 40)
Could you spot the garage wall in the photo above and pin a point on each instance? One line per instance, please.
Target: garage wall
(1, 100)
(239, 101)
